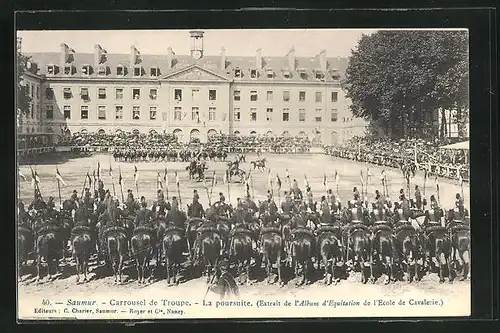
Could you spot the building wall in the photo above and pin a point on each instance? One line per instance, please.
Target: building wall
(33, 122)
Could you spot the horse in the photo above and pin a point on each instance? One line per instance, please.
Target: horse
(173, 245)
(382, 241)
(237, 173)
(24, 246)
(409, 248)
(438, 246)
(259, 164)
(329, 251)
(117, 249)
(460, 243)
(359, 241)
(302, 247)
(271, 244)
(83, 245)
(142, 244)
(240, 252)
(48, 246)
(193, 224)
(210, 242)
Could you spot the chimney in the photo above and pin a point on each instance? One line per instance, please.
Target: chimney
(133, 55)
(291, 59)
(98, 51)
(170, 57)
(222, 58)
(322, 60)
(258, 59)
(64, 54)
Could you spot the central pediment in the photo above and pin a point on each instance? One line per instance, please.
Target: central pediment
(195, 73)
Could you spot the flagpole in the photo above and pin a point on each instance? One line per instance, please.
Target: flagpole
(120, 180)
(251, 183)
(59, 189)
(425, 179)
(228, 191)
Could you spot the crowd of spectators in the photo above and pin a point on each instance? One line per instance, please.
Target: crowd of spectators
(386, 152)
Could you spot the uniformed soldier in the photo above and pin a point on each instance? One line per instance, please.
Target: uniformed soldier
(161, 206)
(196, 208)
(418, 198)
(51, 214)
(459, 209)
(23, 218)
(287, 206)
(224, 284)
(37, 204)
(326, 217)
(144, 215)
(356, 194)
(433, 215)
(310, 199)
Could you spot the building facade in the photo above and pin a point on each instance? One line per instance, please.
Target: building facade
(191, 96)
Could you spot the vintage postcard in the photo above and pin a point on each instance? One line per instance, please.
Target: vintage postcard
(176, 174)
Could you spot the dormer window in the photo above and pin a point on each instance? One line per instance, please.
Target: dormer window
(335, 75)
(137, 71)
(319, 75)
(86, 70)
(155, 72)
(120, 71)
(237, 73)
(68, 70)
(303, 74)
(51, 69)
(270, 73)
(253, 73)
(102, 70)
(286, 74)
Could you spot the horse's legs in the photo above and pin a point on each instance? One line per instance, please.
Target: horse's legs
(85, 268)
(465, 264)
(372, 263)
(38, 266)
(441, 276)
(167, 266)
(77, 259)
(451, 272)
(268, 269)
(248, 272)
(390, 264)
(361, 259)
(138, 268)
(120, 268)
(149, 270)
(325, 262)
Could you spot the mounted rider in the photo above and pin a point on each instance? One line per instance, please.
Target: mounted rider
(160, 206)
(326, 216)
(175, 216)
(88, 202)
(131, 206)
(144, 215)
(459, 212)
(310, 199)
(196, 208)
(433, 215)
(37, 204)
(51, 215)
(23, 218)
(418, 198)
(221, 208)
(287, 207)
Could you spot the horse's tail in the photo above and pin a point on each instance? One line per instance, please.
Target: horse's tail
(232, 286)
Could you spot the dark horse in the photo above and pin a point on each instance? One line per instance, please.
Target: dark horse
(409, 248)
(329, 250)
(259, 164)
(142, 244)
(173, 245)
(358, 240)
(460, 242)
(24, 246)
(210, 242)
(272, 249)
(302, 248)
(48, 246)
(438, 246)
(117, 246)
(196, 169)
(240, 252)
(383, 243)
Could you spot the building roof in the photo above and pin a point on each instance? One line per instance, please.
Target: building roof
(279, 65)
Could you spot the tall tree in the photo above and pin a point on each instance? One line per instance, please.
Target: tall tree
(399, 79)
(23, 97)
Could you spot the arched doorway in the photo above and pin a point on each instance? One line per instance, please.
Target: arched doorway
(153, 132)
(237, 133)
(135, 131)
(84, 131)
(334, 138)
(253, 133)
(285, 134)
(101, 132)
(270, 134)
(178, 134)
(118, 131)
(303, 134)
(194, 135)
(211, 133)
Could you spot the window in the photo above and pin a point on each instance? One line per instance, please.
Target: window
(335, 96)
(286, 114)
(32, 91)
(37, 92)
(136, 112)
(68, 70)
(237, 114)
(102, 70)
(152, 113)
(178, 94)
(136, 93)
(51, 69)
(86, 70)
(237, 95)
(31, 110)
(211, 113)
(269, 96)
(102, 93)
(302, 115)
(177, 113)
(253, 114)
(286, 74)
(317, 117)
(302, 96)
(253, 96)
(253, 73)
(303, 74)
(195, 94)
(119, 93)
(84, 92)
(101, 112)
(286, 96)
(153, 93)
(164, 116)
(49, 93)
(319, 96)
(212, 95)
(237, 73)
(270, 73)
(334, 115)
(67, 93)
(137, 71)
(67, 112)
(154, 72)
(269, 114)
(84, 112)
(49, 109)
(195, 114)
(120, 71)
(320, 75)
(119, 112)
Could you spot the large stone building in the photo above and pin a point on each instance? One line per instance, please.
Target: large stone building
(191, 96)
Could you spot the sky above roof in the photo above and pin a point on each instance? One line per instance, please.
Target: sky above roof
(244, 42)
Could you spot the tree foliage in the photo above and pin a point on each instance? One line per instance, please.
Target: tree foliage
(399, 79)
(23, 97)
